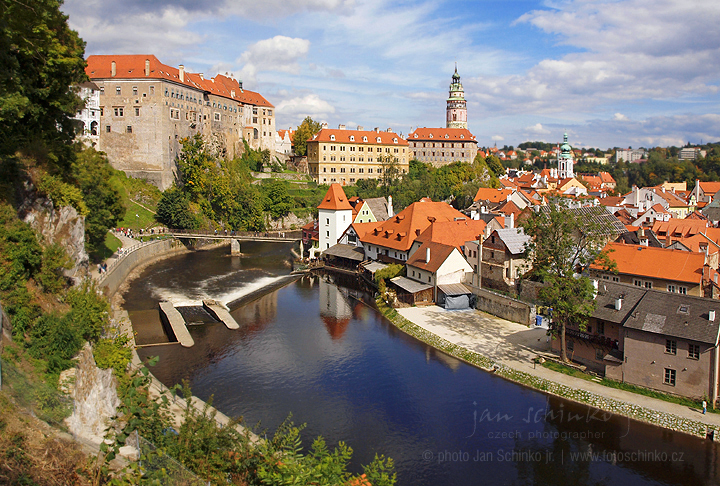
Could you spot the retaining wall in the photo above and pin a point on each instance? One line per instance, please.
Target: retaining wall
(117, 274)
(505, 307)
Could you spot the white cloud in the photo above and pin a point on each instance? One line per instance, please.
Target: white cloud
(537, 129)
(497, 138)
(619, 117)
(279, 53)
(308, 105)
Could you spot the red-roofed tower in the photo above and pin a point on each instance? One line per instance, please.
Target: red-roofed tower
(335, 215)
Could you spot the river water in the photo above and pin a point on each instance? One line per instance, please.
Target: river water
(316, 349)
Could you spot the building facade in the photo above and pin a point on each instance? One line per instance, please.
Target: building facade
(441, 146)
(456, 111)
(147, 108)
(88, 119)
(347, 156)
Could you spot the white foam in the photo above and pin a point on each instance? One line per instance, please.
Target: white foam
(195, 298)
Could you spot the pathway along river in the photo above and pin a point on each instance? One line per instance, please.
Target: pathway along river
(315, 350)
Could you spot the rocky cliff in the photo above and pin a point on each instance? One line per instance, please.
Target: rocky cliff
(96, 399)
(64, 226)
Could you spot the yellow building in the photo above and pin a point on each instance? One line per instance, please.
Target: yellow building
(346, 156)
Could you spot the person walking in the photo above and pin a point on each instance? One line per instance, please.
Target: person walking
(704, 407)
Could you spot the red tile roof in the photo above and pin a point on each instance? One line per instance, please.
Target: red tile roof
(679, 227)
(400, 231)
(438, 254)
(359, 136)
(492, 195)
(440, 134)
(133, 67)
(709, 188)
(335, 199)
(453, 233)
(644, 261)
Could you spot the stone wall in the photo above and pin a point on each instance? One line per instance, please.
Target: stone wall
(505, 307)
(122, 268)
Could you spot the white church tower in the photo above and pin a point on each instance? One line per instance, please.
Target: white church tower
(565, 160)
(456, 111)
(335, 215)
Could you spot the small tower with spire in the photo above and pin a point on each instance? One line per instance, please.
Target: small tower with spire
(565, 160)
(456, 104)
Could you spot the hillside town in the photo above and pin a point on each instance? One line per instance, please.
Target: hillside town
(192, 262)
(664, 240)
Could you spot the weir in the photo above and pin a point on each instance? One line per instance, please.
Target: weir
(172, 318)
(219, 312)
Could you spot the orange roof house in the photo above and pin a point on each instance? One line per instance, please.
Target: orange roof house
(392, 239)
(657, 268)
(335, 199)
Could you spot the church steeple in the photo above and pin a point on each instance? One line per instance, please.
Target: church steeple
(565, 159)
(456, 111)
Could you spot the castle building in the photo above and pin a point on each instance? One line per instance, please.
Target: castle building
(346, 156)
(456, 104)
(87, 120)
(147, 107)
(565, 160)
(441, 146)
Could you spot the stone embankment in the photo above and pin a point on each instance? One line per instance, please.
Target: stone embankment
(624, 408)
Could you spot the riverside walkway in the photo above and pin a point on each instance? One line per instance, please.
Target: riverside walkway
(515, 346)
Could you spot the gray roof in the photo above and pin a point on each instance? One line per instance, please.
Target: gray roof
(351, 252)
(379, 207)
(515, 239)
(632, 238)
(658, 312)
(373, 267)
(712, 210)
(676, 315)
(599, 215)
(454, 289)
(410, 285)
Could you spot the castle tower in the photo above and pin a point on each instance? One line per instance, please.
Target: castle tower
(565, 160)
(334, 216)
(456, 104)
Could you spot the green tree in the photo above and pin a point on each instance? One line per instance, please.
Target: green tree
(92, 173)
(494, 165)
(390, 173)
(305, 131)
(173, 210)
(277, 199)
(42, 58)
(564, 242)
(54, 262)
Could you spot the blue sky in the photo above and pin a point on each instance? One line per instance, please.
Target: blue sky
(609, 72)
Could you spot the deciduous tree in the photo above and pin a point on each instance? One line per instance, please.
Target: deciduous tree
(305, 132)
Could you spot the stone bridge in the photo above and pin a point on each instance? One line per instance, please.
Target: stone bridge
(237, 237)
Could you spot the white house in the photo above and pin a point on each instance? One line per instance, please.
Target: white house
(335, 215)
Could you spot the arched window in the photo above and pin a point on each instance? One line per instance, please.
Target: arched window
(255, 133)
(94, 128)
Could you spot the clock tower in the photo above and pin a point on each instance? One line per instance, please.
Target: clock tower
(456, 104)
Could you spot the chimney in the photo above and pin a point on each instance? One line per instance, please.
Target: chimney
(181, 73)
(232, 93)
(389, 130)
(113, 70)
(377, 129)
(512, 220)
(323, 126)
(390, 209)
(202, 76)
(711, 315)
(341, 127)
(240, 85)
(360, 128)
(427, 255)
(618, 304)
(147, 67)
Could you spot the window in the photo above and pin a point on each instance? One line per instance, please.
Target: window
(616, 279)
(671, 346)
(637, 283)
(669, 378)
(107, 128)
(118, 91)
(135, 91)
(118, 110)
(102, 111)
(217, 116)
(128, 129)
(137, 111)
(601, 327)
(694, 351)
(102, 90)
(152, 90)
(327, 220)
(682, 290)
(648, 285)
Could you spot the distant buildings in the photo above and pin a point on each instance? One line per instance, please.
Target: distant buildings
(147, 107)
(346, 156)
(629, 155)
(441, 146)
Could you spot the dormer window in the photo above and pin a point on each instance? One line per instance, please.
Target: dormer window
(447, 136)
(416, 135)
(352, 138)
(462, 136)
(364, 139)
(332, 137)
(394, 140)
(431, 135)
(379, 140)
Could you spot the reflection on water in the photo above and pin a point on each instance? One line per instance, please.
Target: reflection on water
(315, 350)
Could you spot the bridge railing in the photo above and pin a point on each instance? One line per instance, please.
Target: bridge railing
(288, 235)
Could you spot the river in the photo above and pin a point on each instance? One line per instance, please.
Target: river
(317, 349)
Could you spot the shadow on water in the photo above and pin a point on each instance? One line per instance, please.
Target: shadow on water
(318, 350)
